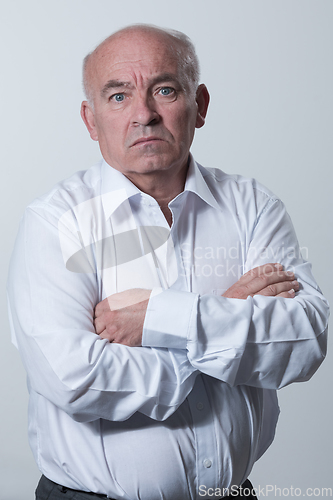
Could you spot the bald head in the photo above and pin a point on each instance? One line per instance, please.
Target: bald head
(144, 104)
(181, 46)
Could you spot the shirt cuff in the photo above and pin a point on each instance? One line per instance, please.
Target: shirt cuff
(169, 317)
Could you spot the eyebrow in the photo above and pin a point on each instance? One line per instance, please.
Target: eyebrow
(165, 77)
(116, 84)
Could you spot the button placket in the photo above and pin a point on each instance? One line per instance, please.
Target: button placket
(156, 218)
(205, 437)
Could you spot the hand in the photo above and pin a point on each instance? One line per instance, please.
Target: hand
(120, 317)
(270, 280)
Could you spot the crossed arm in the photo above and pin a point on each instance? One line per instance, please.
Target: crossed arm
(120, 317)
(265, 341)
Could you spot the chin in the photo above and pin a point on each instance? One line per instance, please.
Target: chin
(153, 163)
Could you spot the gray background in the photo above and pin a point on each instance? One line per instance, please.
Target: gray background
(268, 66)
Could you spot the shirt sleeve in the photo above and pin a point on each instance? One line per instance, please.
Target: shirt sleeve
(265, 342)
(51, 314)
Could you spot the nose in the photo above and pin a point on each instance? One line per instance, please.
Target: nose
(144, 111)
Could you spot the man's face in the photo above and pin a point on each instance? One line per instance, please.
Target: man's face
(145, 110)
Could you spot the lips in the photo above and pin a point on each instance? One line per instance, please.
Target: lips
(146, 140)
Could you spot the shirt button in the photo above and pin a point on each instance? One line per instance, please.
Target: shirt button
(207, 463)
(200, 406)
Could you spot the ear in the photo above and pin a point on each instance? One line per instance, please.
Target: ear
(87, 115)
(202, 99)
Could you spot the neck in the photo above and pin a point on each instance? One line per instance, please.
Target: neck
(163, 186)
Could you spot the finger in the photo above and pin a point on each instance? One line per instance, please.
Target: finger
(99, 309)
(99, 324)
(270, 267)
(277, 288)
(105, 335)
(265, 269)
(265, 280)
(288, 295)
(102, 307)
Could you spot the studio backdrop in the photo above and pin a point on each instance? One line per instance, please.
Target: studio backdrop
(268, 67)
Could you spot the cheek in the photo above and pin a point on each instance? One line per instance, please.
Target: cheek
(184, 125)
(110, 130)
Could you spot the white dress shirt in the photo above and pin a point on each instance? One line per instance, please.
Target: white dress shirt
(194, 407)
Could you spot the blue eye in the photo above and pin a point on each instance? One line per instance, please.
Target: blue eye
(118, 97)
(166, 91)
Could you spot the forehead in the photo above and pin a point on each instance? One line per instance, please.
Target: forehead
(137, 56)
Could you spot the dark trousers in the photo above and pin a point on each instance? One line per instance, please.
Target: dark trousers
(48, 490)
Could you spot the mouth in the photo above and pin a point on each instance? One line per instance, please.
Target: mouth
(146, 140)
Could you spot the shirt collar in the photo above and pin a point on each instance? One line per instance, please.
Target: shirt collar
(117, 188)
(196, 183)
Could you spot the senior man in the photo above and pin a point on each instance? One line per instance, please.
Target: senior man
(157, 305)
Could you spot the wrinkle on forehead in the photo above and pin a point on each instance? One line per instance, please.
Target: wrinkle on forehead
(136, 48)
